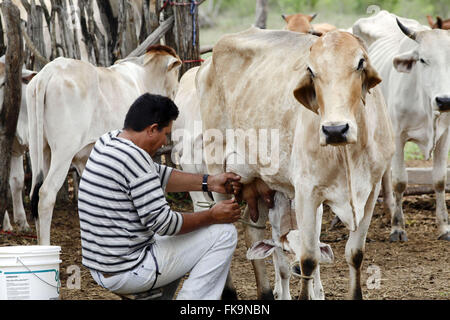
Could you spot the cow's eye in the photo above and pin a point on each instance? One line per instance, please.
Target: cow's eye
(423, 61)
(361, 64)
(311, 72)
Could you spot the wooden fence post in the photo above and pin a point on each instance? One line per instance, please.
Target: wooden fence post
(12, 95)
(186, 32)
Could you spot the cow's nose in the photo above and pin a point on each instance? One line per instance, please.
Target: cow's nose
(336, 134)
(443, 103)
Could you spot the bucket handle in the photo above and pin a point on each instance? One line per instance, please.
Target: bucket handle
(51, 285)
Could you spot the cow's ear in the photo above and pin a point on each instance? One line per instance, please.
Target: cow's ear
(27, 75)
(406, 61)
(305, 92)
(173, 63)
(371, 80)
(439, 22)
(261, 249)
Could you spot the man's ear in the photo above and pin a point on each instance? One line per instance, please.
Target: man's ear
(405, 61)
(152, 129)
(305, 92)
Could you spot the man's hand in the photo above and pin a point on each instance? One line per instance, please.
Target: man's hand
(227, 211)
(226, 183)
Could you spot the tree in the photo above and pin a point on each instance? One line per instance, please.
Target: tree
(12, 96)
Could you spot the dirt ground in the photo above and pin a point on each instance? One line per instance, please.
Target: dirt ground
(417, 269)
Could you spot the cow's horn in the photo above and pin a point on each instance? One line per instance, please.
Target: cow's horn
(313, 15)
(406, 31)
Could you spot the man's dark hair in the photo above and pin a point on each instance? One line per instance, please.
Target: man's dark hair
(149, 109)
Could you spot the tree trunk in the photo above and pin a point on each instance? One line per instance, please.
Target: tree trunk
(261, 14)
(12, 95)
(186, 33)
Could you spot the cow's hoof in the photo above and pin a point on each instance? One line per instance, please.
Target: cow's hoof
(398, 235)
(23, 227)
(267, 295)
(445, 237)
(229, 294)
(295, 270)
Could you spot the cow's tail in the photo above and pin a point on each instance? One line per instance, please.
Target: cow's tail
(35, 106)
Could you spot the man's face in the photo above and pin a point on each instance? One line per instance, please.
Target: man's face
(158, 138)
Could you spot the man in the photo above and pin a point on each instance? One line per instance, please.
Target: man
(131, 240)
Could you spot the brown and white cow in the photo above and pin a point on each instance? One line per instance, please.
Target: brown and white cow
(71, 103)
(300, 22)
(439, 24)
(335, 139)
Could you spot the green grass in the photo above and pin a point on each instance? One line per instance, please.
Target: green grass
(412, 152)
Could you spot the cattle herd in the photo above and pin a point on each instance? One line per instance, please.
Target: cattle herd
(308, 116)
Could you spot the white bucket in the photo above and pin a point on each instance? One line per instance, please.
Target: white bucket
(29, 273)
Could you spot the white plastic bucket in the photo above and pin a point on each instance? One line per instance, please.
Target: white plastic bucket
(29, 273)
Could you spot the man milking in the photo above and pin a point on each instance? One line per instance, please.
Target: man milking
(131, 240)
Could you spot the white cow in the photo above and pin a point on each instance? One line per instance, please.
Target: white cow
(188, 153)
(415, 66)
(335, 138)
(381, 25)
(20, 145)
(71, 103)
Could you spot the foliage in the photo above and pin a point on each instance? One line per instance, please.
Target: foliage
(416, 9)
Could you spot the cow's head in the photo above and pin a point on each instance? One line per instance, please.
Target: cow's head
(163, 63)
(429, 61)
(300, 22)
(334, 84)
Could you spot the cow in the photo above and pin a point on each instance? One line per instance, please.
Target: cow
(71, 103)
(300, 22)
(335, 138)
(187, 152)
(415, 64)
(439, 24)
(20, 145)
(381, 25)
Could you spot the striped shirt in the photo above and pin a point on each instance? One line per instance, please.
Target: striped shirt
(121, 205)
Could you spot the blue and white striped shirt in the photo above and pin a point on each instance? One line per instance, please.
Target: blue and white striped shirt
(121, 205)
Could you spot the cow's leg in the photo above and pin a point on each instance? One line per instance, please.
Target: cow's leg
(282, 275)
(400, 180)
(306, 212)
(281, 208)
(318, 288)
(388, 195)
(252, 235)
(59, 167)
(439, 181)
(354, 249)
(16, 184)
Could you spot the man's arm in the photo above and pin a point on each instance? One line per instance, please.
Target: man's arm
(180, 181)
(227, 211)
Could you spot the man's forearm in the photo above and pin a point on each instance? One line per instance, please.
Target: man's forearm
(184, 182)
(195, 220)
